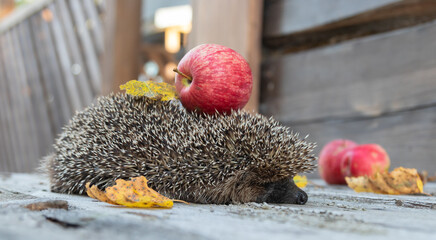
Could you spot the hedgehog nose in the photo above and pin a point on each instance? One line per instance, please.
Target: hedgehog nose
(301, 198)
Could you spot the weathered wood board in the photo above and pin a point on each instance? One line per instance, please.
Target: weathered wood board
(60, 108)
(79, 68)
(298, 25)
(379, 89)
(408, 137)
(365, 77)
(49, 68)
(122, 28)
(89, 50)
(39, 104)
(289, 16)
(332, 212)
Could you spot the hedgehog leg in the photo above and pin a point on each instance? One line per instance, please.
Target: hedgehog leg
(284, 191)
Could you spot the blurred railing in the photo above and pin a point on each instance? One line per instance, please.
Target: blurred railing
(50, 57)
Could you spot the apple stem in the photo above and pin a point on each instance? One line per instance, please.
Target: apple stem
(184, 75)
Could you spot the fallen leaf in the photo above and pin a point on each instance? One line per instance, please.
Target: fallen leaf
(300, 181)
(39, 206)
(133, 193)
(96, 193)
(154, 90)
(399, 181)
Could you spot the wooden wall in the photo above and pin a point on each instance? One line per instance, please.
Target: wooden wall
(368, 86)
(122, 38)
(49, 68)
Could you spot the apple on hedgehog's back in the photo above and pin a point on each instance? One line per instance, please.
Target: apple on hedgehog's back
(213, 78)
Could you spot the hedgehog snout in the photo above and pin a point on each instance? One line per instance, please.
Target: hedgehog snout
(284, 191)
(301, 197)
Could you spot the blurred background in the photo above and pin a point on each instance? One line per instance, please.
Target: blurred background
(362, 70)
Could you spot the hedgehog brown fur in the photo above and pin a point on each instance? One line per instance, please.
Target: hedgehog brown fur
(239, 157)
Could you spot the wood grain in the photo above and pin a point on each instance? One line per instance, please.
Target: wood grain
(39, 103)
(59, 108)
(284, 17)
(22, 92)
(8, 146)
(65, 63)
(82, 74)
(95, 24)
(397, 15)
(366, 77)
(17, 118)
(408, 137)
(89, 51)
(48, 69)
(122, 43)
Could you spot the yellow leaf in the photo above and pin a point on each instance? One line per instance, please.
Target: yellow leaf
(96, 193)
(300, 181)
(154, 90)
(380, 184)
(359, 184)
(133, 193)
(399, 181)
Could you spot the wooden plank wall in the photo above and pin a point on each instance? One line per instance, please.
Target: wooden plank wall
(122, 43)
(292, 25)
(49, 68)
(375, 89)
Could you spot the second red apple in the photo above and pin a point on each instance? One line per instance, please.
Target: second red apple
(364, 160)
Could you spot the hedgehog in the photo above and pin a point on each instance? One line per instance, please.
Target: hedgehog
(216, 159)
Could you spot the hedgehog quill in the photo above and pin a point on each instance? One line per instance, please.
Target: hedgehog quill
(233, 158)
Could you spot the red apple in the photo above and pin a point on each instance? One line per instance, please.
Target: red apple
(364, 160)
(329, 160)
(212, 78)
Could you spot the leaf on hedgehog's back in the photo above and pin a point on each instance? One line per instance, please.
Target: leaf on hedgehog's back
(399, 181)
(154, 90)
(133, 193)
(300, 181)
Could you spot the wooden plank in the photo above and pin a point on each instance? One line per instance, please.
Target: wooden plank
(399, 14)
(64, 61)
(95, 24)
(79, 68)
(21, 13)
(23, 91)
(366, 77)
(39, 103)
(407, 136)
(89, 51)
(289, 16)
(244, 37)
(122, 43)
(60, 111)
(13, 92)
(17, 119)
(4, 154)
(7, 143)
